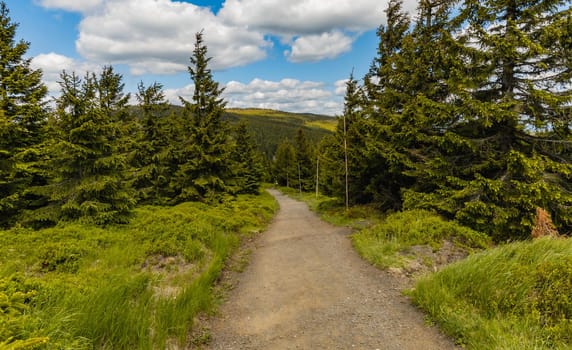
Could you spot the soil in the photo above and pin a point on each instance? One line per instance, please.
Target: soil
(306, 288)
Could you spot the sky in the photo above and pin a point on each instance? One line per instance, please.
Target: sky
(293, 55)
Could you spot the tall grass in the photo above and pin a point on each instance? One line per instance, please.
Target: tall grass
(516, 296)
(137, 286)
(382, 244)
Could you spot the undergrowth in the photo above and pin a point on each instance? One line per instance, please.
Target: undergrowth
(137, 286)
(382, 244)
(515, 296)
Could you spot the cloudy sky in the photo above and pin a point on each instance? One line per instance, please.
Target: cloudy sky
(290, 55)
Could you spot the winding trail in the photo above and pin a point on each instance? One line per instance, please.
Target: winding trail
(306, 288)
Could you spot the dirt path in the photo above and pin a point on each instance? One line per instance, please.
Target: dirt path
(306, 288)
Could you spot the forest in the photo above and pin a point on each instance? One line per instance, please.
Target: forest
(465, 111)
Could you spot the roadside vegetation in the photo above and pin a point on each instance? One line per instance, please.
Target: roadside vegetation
(507, 296)
(117, 219)
(135, 286)
(515, 296)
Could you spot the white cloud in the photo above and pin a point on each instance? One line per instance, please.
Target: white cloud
(52, 65)
(287, 95)
(71, 5)
(311, 27)
(298, 17)
(157, 36)
(319, 47)
(341, 87)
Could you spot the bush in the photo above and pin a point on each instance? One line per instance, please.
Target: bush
(61, 257)
(15, 321)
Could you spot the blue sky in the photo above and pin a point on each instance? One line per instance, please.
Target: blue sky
(293, 55)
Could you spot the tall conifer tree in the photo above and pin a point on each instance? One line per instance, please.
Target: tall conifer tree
(305, 162)
(512, 120)
(23, 117)
(203, 165)
(151, 158)
(87, 155)
(285, 164)
(246, 161)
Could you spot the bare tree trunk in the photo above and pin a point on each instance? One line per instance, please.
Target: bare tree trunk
(346, 164)
(317, 176)
(299, 178)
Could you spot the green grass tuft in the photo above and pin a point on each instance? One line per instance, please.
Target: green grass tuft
(516, 296)
(382, 244)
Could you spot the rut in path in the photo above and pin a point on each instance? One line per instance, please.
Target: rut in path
(306, 288)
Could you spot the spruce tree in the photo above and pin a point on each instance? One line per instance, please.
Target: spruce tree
(202, 158)
(150, 160)
(87, 155)
(304, 162)
(387, 133)
(285, 164)
(345, 159)
(246, 162)
(23, 116)
(511, 124)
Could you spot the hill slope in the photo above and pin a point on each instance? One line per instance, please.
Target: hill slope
(270, 127)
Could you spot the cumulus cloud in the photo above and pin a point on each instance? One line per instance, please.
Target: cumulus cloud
(290, 95)
(311, 26)
(287, 94)
(158, 36)
(319, 47)
(53, 64)
(341, 87)
(71, 5)
(299, 17)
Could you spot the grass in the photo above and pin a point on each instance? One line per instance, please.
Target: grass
(332, 209)
(384, 243)
(137, 286)
(516, 296)
(329, 125)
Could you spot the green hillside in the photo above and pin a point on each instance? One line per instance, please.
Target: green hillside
(270, 127)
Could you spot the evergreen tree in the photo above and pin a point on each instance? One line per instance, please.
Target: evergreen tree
(86, 156)
(285, 164)
(388, 135)
(203, 164)
(304, 162)
(247, 161)
(513, 110)
(151, 157)
(23, 117)
(345, 158)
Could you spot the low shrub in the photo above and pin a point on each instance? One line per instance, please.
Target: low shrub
(88, 287)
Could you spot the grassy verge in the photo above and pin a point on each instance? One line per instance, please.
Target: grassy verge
(390, 243)
(332, 209)
(388, 240)
(137, 286)
(516, 296)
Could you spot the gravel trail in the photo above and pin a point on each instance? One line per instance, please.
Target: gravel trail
(306, 288)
